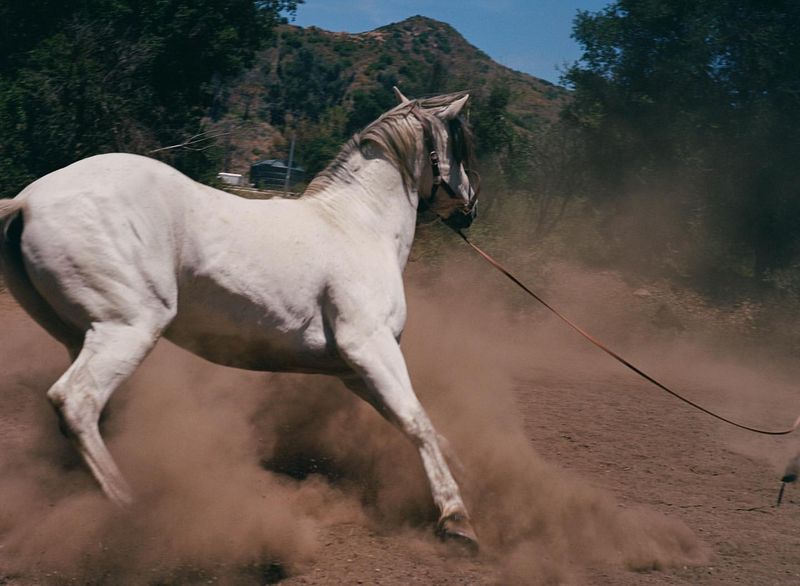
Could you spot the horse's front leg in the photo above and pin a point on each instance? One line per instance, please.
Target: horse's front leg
(381, 378)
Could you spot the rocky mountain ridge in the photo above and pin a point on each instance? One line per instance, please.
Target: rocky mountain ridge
(323, 86)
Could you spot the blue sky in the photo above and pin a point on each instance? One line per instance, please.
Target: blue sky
(528, 35)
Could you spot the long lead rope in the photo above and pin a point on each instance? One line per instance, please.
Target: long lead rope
(613, 354)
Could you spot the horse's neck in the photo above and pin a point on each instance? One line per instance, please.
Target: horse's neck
(373, 198)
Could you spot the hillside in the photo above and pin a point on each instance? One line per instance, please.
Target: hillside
(325, 86)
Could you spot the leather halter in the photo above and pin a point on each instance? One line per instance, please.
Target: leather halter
(465, 210)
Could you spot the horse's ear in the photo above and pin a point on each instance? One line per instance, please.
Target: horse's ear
(400, 97)
(452, 111)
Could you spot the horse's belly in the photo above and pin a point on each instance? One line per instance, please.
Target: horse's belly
(250, 339)
(263, 353)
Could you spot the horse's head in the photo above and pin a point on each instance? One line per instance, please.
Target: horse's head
(448, 184)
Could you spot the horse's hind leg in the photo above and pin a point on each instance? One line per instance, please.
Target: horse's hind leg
(26, 294)
(110, 353)
(384, 383)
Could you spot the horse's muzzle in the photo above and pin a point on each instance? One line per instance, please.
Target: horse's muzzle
(462, 218)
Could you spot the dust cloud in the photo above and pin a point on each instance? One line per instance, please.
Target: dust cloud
(539, 520)
(237, 473)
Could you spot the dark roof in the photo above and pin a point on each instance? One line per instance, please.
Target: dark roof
(277, 163)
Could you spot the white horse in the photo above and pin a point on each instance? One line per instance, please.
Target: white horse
(116, 250)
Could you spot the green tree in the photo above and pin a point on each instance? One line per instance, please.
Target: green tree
(489, 119)
(80, 78)
(697, 103)
(318, 143)
(308, 82)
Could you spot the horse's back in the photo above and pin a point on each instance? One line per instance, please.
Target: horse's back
(98, 189)
(99, 238)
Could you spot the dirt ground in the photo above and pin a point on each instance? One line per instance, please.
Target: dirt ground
(575, 471)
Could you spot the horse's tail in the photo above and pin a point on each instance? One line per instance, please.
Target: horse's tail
(9, 208)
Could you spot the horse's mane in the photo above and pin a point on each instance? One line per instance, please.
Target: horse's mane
(396, 133)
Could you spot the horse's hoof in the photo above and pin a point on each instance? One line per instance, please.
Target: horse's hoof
(457, 530)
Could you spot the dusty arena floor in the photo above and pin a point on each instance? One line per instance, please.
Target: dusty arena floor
(575, 471)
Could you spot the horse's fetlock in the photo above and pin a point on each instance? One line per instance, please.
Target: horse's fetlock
(417, 424)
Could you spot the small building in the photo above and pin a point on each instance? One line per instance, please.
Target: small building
(271, 174)
(236, 179)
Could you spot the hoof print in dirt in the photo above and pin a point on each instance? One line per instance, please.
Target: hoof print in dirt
(456, 530)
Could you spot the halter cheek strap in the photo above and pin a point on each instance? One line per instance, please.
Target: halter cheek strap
(466, 209)
(437, 178)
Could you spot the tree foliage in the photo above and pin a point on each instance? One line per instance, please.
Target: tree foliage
(696, 105)
(80, 78)
(489, 119)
